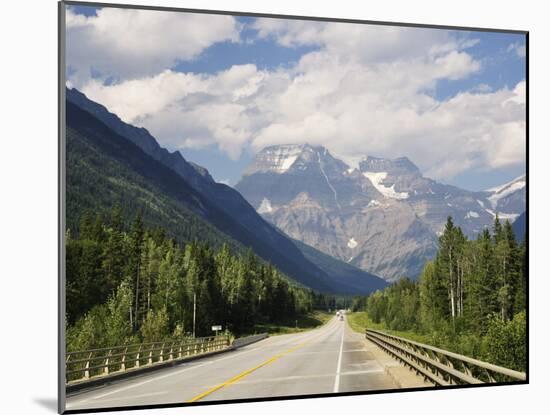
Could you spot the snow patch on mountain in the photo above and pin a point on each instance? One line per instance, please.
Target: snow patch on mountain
(376, 180)
(283, 157)
(503, 216)
(508, 216)
(286, 162)
(471, 214)
(505, 190)
(374, 203)
(352, 243)
(497, 189)
(265, 206)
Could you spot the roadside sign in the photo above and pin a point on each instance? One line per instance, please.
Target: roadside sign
(216, 328)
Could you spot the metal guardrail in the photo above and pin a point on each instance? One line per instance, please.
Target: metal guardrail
(439, 366)
(85, 365)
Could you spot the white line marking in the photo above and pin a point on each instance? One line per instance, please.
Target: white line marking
(339, 366)
(141, 395)
(300, 377)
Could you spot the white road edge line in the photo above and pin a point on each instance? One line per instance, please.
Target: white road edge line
(339, 366)
(144, 395)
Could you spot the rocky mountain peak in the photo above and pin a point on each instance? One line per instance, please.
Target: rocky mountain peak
(384, 217)
(396, 167)
(285, 158)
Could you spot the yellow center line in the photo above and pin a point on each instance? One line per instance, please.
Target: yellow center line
(246, 373)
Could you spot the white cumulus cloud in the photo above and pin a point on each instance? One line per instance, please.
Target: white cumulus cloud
(125, 43)
(363, 90)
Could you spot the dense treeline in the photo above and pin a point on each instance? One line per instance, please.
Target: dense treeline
(136, 284)
(470, 299)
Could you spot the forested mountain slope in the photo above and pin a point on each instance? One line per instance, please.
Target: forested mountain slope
(219, 205)
(104, 168)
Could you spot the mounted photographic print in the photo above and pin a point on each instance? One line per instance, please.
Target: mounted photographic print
(258, 207)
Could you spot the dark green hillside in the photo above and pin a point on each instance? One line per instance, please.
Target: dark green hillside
(96, 182)
(104, 168)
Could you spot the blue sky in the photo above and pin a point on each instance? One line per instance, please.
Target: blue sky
(268, 63)
(501, 68)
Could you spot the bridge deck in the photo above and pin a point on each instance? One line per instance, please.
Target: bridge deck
(329, 359)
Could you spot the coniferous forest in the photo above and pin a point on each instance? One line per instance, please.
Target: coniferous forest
(470, 299)
(129, 283)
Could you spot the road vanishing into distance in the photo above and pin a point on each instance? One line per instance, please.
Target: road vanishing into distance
(329, 359)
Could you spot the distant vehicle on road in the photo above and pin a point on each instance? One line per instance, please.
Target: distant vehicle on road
(341, 318)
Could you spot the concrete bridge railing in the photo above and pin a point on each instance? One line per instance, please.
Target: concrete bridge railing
(87, 365)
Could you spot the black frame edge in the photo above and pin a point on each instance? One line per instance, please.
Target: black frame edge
(293, 17)
(61, 304)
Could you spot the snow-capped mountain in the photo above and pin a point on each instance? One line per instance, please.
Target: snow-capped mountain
(383, 217)
(326, 179)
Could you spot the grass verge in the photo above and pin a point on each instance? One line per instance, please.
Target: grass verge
(303, 323)
(359, 321)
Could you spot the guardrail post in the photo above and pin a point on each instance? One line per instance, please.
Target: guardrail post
(87, 370)
(123, 360)
(138, 356)
(490, 376)
(161, 356)
(67, 367)
(151, 354)
(106, 368)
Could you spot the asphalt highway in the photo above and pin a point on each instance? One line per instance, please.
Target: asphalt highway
(329, 359)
